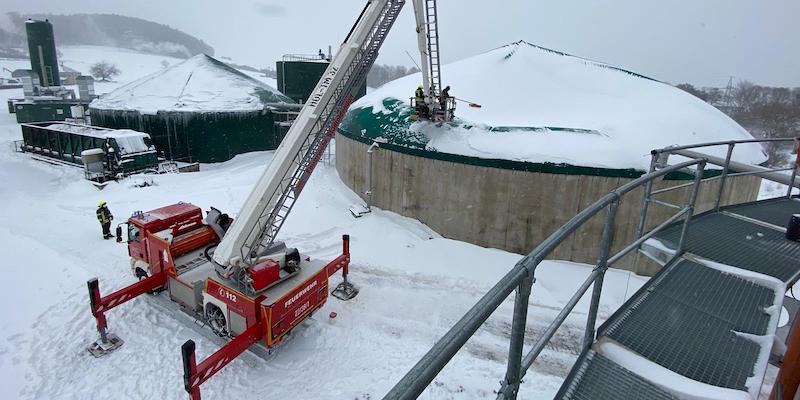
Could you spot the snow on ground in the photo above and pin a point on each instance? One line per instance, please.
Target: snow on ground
(414, 286)
(604, 116)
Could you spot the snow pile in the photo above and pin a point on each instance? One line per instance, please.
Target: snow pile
(199, 84)
(540, 105)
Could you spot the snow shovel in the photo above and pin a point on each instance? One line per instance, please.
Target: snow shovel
(471, 104)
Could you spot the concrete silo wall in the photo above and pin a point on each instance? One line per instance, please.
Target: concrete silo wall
(509, 209)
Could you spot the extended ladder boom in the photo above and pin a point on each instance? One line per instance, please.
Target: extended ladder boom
(276, 191)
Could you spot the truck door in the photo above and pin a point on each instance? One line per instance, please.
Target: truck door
(137, 246)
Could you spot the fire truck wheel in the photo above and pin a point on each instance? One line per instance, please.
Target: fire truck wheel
(141, 274)
(216, 320)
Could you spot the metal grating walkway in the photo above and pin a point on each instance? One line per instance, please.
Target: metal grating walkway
(686, 321)
(776, 211)
(733, 241)
(596, 377)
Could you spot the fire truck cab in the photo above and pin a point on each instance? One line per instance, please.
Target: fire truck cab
(178, 228)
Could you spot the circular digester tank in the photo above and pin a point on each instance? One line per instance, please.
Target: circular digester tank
(553, 134)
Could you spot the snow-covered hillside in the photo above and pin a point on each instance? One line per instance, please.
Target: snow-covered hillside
(541, 105)
(414, 286)
(132, 64)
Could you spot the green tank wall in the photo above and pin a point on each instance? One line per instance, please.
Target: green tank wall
(505, 204)
(297, 79)
(42, 50)
(41, 111)
(199, 137)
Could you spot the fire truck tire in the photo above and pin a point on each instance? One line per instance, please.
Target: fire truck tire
(141, 274)
(216, 320)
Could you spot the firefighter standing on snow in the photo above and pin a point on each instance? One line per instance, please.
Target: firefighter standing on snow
(105, 218)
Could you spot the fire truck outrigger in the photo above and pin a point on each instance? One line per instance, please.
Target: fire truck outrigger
(231, 274)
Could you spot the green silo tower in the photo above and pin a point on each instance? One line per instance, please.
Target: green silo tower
(42, 50)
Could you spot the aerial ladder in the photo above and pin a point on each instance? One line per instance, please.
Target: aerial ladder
(433, 106)
(245, 285)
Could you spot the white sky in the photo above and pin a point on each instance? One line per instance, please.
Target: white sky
(698, 41)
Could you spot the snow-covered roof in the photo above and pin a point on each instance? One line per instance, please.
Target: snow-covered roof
(129, 141)
(199, 84)
(540, 105)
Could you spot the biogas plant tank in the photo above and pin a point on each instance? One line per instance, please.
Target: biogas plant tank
(553, 134)
(42, 50)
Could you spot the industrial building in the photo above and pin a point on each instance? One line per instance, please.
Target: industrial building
(200, 110)
(118, 152)
(298, 75)
(45, 97)
(509, 173)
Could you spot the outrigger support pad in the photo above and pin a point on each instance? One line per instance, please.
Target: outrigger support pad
(108, 342)
(345, 290)
(100, 347)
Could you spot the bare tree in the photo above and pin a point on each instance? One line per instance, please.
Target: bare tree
(104, 70)
(688, 88)
(164, 63)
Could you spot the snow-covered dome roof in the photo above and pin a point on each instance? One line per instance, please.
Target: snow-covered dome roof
(540, 105)
(200, 83)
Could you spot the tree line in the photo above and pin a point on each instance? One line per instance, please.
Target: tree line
(768, 112)
(107, 30)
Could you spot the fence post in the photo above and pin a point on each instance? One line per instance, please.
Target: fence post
(794, 168)
(602, 266)
(724, 175)
(690, 202)
(510, 386)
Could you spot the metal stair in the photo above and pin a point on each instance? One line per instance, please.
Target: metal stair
(271, 220)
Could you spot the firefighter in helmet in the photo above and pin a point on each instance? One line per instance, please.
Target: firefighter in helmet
(419, 100)
(104, 217)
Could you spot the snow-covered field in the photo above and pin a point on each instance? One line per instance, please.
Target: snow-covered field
(414, 286)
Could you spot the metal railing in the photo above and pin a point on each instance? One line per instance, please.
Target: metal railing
(306, 57)
(521, 276)
(661, 157)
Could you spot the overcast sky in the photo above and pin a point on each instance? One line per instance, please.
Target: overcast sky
(698, 41)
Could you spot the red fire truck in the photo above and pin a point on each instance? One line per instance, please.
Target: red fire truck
(233, 275)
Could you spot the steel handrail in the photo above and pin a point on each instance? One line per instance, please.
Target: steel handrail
(520, 276)
(670, 149)
(713, 178)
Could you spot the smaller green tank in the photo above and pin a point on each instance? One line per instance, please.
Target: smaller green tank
(42, 50)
